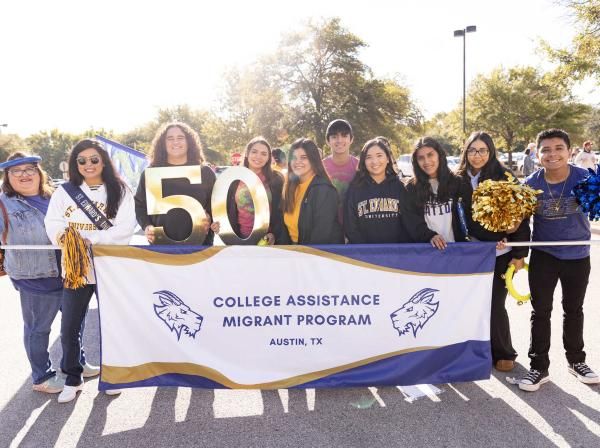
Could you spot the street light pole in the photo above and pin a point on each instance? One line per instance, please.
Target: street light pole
(463, 33)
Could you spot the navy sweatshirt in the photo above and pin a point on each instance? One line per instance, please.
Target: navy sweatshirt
(372, 212)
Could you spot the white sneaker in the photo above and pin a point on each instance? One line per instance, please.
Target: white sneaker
(90, 371)
(113, 391)
(69, 393)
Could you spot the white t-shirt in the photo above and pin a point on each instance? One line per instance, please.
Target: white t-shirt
(585, 160)
(438, 215)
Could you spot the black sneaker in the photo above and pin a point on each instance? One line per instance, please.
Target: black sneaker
(533, 380)
(583, 373)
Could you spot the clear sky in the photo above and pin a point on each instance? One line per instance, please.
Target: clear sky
(73, 65)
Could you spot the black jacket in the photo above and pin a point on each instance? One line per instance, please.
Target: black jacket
(414, 213)
(318, 220)
(276, 220)
(522, 234)
(177, 223)
(372, 212)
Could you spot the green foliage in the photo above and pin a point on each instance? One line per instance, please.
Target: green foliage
(582, 58)
(515, 104)
(53, 146)
(591, 129)
(10, 143)
(315, 76)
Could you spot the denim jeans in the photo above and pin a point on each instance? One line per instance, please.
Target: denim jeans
(39, 311)
(74, 308)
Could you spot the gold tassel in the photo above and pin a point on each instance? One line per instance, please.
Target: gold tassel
(76, 261)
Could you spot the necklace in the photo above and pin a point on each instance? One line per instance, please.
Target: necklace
(556, 207)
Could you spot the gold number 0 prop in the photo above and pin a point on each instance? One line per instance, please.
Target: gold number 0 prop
(159, 205)
(262, 213)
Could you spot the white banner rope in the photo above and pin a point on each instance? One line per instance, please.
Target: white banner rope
(508, 244)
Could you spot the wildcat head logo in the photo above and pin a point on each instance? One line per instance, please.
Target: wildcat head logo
(415, 313)
(177, 315)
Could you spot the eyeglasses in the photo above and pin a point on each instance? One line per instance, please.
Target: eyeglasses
(19, 173)
(480, 152)
(83, 160)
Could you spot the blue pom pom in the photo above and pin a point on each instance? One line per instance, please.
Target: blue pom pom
(587, 194)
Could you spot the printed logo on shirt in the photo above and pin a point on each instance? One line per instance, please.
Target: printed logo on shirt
(434, 208)
(557, 208)
(72, 208)
(378, 208)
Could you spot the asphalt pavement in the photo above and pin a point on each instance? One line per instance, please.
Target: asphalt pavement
(490, 413)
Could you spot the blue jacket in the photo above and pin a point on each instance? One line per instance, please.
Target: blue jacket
(26, 226)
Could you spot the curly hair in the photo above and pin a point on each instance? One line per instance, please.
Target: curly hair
(195, 156)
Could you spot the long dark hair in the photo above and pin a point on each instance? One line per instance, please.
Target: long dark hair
(45, 189)
(362, 174)
(266, 170)
(195, 156)
(445, 177)
(292, 181)
(492, 169)
(115, 187)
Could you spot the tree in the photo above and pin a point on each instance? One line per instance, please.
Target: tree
(582, 59)
(446, 128)
(10, 143)
(515, 104)
(315, 76)
(141, 138)
(54, 147)
(592, 127)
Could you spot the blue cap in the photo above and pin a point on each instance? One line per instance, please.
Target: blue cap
(20, 161)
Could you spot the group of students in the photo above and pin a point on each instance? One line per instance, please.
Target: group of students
(318, 201)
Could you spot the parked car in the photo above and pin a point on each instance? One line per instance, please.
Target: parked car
(405, 168)
(56, 182)
(521, 162)
(516, 156)
(453, 162)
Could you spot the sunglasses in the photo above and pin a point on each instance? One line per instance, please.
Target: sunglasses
(95, 160)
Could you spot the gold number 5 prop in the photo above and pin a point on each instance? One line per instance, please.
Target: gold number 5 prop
(159, 205)
(259, 198)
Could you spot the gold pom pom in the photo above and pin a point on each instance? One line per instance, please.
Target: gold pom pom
(75, 259)
(501, 205)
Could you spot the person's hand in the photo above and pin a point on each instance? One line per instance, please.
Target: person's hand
(215, 227)
(149, 232)
(518, 263)
(438, 242)
(270, 239)
(501, 245)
